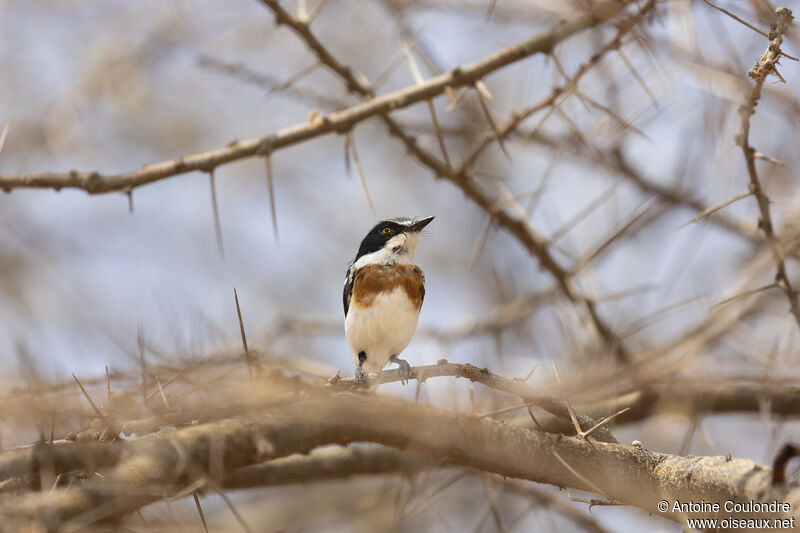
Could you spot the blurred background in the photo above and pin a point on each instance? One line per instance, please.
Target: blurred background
(612, 176)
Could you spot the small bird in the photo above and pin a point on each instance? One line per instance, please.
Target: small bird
(383, 293)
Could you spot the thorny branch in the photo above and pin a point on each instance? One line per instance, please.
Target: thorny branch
(177, 459)
(766, 65)
(613, 159)
(482, 375)
(343, 463)
(643, 398)
(339, 122)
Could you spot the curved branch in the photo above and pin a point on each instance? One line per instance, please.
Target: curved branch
(517, 387)
(339, 121)
(186, 457)
(698, 399)
(766, 65)
(67, 455)
(344, 463)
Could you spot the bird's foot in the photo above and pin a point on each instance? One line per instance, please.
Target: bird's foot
(405, 368)
(361, 378)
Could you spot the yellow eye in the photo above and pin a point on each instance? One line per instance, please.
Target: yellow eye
(387, 229)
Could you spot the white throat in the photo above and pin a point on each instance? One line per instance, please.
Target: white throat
(398, 249)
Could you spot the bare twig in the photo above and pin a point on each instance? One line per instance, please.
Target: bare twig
(766, 65)
(759, 155)
(622, 473)
(604, 421)
(737, 19)
(745, 294)
(716, 207)
(487, 378)
(341, 121)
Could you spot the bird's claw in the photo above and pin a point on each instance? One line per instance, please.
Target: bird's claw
(405, 369)
(361, 378)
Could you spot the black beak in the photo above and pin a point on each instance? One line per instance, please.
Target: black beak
(416, 227)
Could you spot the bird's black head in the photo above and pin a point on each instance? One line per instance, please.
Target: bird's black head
(396, 236)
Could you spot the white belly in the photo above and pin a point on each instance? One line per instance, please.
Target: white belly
(382, 330)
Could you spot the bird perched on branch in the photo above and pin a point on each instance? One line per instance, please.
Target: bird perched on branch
(383, 293)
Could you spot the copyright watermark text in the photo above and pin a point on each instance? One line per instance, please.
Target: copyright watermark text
(741, 509)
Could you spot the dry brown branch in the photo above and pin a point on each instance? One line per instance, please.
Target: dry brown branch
(688, 399)
(61, 456)
(766, 65)
(716, 207)
(65, 452)
(737, 19)
(340, 121)
(489, 379)
(174, 459)
(745, 294)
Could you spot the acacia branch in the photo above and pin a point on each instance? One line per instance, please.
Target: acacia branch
(65, 456)
(344, 463)
(706, 397)
(517, 387)
(689, 398)
(339, 121)
(766, 65)
(174, 460)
